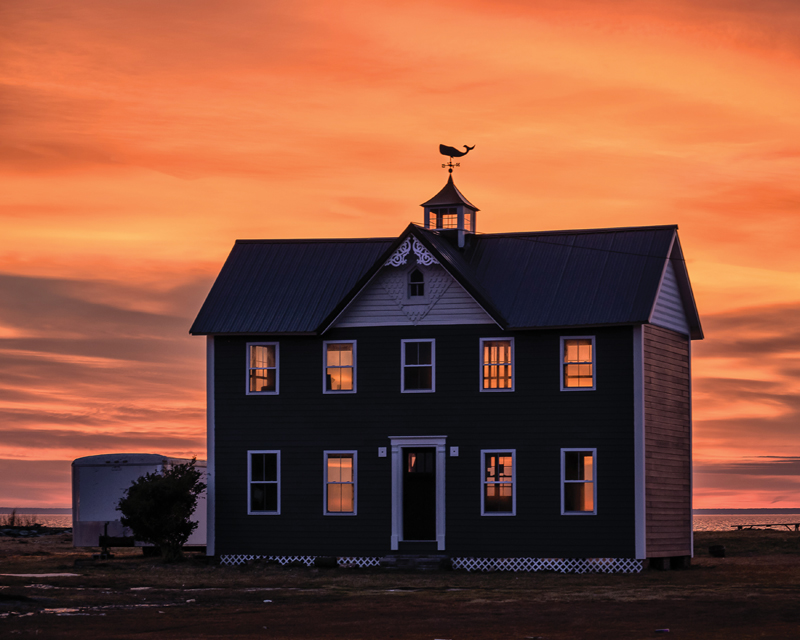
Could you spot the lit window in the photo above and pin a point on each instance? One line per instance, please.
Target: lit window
(263, 487)
(339, 367)
(418, 366)
(262, 367)
(577, 364)
(416, 284)
(446, 218)
(340, 483)
(578, 487)
(497, 364)
(497, 471)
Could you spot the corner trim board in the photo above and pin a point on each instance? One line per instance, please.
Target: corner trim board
(640, 502)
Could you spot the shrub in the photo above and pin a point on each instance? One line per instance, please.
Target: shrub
(158, 506)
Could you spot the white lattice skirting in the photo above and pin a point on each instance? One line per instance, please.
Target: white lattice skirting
(562, 565)
(233, 561)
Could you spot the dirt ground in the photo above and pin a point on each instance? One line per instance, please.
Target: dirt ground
(752, 593)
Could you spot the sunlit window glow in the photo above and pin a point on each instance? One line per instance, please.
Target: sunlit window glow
(578, 363)
(339, 366)
(578, 481)
(497, 364)
(340, 483)
(498, 482)
(263, 368)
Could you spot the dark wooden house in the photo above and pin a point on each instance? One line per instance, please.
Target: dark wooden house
(510, 401)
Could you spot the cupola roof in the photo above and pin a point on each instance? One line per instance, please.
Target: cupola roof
(449, 196)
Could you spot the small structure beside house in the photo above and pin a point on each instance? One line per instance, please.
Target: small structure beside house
(99, 483)
(508, 400)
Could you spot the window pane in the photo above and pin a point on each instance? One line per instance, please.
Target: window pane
(257, 467)
(339, 379)
(340, 355)
(340, 467)
(264, 497)
(262, 355)
(340, 498)
(412, 352)
(578, 496)
(418, 378)
(578, 375)
(424, 352)
(498, 498)
(578, 465)
(262, 379)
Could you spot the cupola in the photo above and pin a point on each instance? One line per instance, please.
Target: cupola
(450, 211)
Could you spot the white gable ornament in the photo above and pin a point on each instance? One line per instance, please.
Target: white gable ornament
(399, 257)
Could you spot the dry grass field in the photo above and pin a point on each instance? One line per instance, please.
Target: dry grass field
(752, 593)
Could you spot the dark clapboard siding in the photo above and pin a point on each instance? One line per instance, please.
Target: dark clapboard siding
(667, 403)
(537, 420)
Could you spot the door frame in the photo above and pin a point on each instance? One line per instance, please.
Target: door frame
(399, 443)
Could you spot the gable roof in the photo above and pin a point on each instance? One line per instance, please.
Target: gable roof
(522, 280)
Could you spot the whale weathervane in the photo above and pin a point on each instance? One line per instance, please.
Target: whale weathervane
(452, 152)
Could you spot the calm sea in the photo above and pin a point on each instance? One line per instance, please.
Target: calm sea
(717, 522)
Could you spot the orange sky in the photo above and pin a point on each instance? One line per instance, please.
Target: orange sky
(139, 140)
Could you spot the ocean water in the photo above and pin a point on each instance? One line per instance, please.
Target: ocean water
(729, 522)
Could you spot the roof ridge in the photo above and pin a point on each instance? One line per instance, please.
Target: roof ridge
(572, 232)
(310, 240)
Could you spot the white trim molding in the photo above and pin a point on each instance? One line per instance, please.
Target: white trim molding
(639, 460)
(400, 256)
(210, 458)
(398, 443)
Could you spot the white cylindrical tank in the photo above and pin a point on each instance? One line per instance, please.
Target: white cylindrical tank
(98, 484)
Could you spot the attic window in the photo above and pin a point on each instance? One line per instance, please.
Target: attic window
(416, 284)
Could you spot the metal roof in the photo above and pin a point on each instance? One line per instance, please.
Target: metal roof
(285, 286)
(522, 280)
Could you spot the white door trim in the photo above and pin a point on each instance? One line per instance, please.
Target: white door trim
(398, 444)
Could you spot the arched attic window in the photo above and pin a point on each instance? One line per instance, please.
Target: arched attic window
(416, 284)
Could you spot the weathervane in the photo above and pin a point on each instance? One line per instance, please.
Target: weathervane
(453, 153)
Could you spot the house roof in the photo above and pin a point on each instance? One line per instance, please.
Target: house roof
(522, 280)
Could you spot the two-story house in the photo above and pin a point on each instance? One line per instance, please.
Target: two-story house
(509, 400)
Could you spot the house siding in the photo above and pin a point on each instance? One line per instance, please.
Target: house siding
(667, 402)
(668, 311)
(537, 420)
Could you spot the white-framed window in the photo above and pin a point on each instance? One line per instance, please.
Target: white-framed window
(340, 495)
(498, 482)
(262, 367)
(578, 482)
(418, 368)
(497, 364)
(578, 369)
(339, 366)
(416, 284)
(264, 483)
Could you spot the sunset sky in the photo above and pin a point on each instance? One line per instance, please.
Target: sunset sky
(138, 140)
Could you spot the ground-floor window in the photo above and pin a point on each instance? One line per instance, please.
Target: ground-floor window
(340, 483)
(498, 496)
(264, 482)
(578, 481)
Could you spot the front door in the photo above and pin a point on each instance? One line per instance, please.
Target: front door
(419, 493)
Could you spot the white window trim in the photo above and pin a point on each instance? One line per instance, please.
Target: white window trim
(403, 366)
(513, 511)
(277, 369)
(480, 370)
(325, 455)
(593, 482)
(561, 364)
(250, 512)
(325, 366)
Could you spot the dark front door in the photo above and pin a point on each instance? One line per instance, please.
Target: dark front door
(419, 494)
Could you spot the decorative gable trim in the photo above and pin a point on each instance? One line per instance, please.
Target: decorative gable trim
(399, 257)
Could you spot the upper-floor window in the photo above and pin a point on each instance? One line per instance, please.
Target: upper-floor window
(340, 483)
(497, 364)
(416, 284)
(418, 366)
(498, 496)
(578, 482)
(339, 367)
(262, 363)
(577, 363)
(264, 482)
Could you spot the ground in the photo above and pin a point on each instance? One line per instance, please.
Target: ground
(752, 593)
